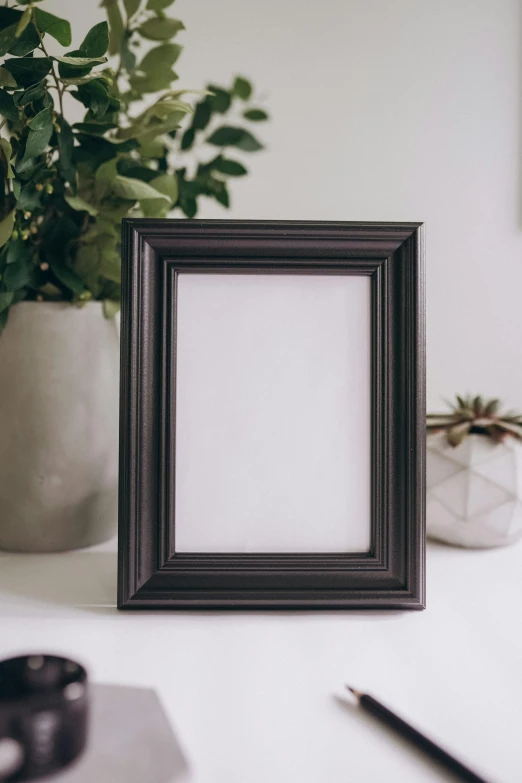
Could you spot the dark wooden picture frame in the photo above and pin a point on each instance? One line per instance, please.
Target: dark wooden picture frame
(150, 572)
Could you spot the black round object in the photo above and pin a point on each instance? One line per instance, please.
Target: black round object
(43, 715)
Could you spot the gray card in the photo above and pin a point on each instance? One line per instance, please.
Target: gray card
(130, 740)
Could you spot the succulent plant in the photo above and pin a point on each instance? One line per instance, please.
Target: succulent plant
(475, 416)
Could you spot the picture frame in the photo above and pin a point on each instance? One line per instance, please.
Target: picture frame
(183, 279)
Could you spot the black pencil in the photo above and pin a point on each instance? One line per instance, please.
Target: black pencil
(386, 716)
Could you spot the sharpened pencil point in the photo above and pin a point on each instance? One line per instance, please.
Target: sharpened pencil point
(357, 694)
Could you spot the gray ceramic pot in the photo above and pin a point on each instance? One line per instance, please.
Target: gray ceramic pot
(59, 366)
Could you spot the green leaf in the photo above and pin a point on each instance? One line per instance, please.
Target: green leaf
(229, 167)
(24, 21)
(202, 116)
(57, 28)
(166, 184)
(80, 61)
(242, 88)
(27, 42)
(6, 80)
(457, 433)
(17, 251)
(154, 208)
(492, 407)
(68, 277)
(189, 205)
(6, 298)
(187, 140)
(130, 168)
(153, 82)
(7, 152)
(220, 100)
(160, 57)
(156, 129)
(7, 106)
(512, 428)
(66, 149)
(47, 101)
(478, 405)
(7, 39)
(226, 136)
(94, 96)
(116, 25)
(159, 29)
(51, 291)
(9, 17)
(42, 120)
(152, 149)
(96, 128)
(104, 177)
(95, 150)
(32, 94)
(235, 137)
(255, 115)
(96, 42)
(29, 198)
(160, 118)
(37, 141)
(158, 5)
(114, 106)
(134, 189)
(87, 263)
(6, 227)
(131, 6)
(249, 143)
(73, 68)
(110, 308)
(78, 80)
(17, 276)
(9, 20)
(77, 203)
(110, 263)
(222, 196)
(28, 70)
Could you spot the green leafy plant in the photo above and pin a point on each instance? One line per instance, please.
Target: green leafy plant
(475, 415)
(141, 149)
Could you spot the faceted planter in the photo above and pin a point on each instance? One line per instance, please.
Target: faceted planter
(58, 427)
(474, 491)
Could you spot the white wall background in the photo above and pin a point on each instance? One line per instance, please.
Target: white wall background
(387, 110)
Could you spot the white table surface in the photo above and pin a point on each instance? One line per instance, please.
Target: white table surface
(252, 696)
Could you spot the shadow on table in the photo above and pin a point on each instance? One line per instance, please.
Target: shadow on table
(75, 579)
(87, 580)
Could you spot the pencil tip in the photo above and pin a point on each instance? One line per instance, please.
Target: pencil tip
(357, 694)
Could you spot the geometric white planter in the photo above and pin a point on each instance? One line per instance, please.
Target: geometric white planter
(474, 491)
(59, 366)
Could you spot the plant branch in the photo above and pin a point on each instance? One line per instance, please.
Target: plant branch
(44, 50)
(126, 34)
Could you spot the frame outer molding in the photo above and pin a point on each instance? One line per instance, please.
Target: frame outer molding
(392, 575)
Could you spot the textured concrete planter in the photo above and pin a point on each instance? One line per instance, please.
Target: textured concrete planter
(59, 366)
(474, 491)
